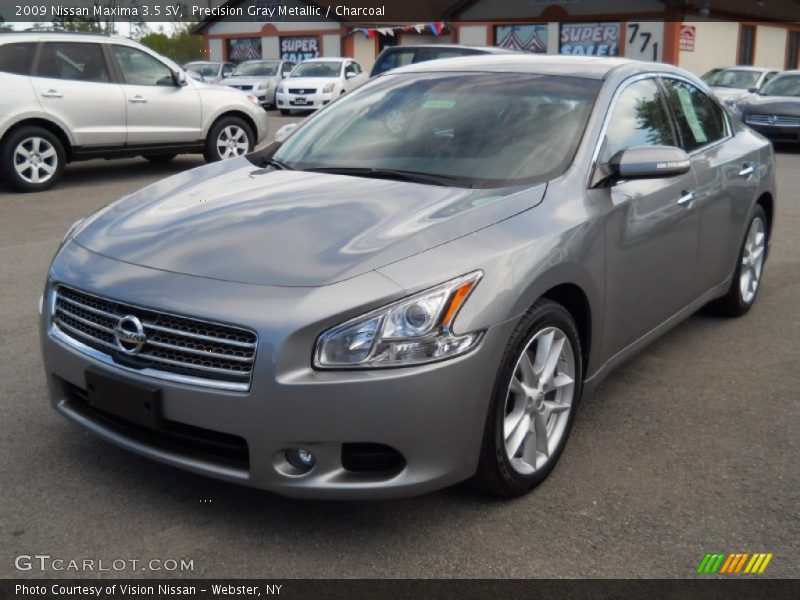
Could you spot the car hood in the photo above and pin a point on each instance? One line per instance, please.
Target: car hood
(729, 94)
(237, 222)
(772, 105)
(308, 82)
(245, 80)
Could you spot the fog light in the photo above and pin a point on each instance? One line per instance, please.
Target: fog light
(300, 458)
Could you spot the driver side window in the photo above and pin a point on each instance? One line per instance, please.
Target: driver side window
(640, 118)
(139, 68)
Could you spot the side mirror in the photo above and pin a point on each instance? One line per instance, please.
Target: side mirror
(179, 77)
(648, 162)
(285, 131)
(752, 90)
(349, 75)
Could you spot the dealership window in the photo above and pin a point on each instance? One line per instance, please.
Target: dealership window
(590, 39)
(241, 49)
(525, 38)
(747, 44)
(793, 55)
(298, 48)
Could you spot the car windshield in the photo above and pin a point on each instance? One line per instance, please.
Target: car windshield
(317, 69)
(466, 129)
(733, 78)
(256, 69)
(785, 85)
(203, 69)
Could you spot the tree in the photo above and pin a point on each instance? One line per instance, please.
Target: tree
(4, 26)
(104, 26)
(181, 45)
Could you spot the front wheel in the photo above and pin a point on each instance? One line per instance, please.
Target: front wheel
(228, 138)
(32, 159)
(533, 405)
(747, 278)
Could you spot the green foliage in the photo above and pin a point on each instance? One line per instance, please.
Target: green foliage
(181, 46)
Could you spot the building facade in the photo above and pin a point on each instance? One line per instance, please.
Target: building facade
(697, 39)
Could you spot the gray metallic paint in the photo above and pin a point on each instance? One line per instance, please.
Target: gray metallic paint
(641, 261)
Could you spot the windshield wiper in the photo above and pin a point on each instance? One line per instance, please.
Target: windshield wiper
(397, 174)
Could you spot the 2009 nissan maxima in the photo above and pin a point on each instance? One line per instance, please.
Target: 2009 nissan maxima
(418, 285)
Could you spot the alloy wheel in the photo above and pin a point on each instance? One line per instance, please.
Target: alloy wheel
(35, 160)
(539, 400)
(752, 261)
(232, 142)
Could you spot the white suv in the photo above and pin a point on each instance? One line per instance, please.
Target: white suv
(72, 97)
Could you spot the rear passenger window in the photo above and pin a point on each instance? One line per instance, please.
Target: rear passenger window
(640, 118)
(17, 58)
(73, 60)
(699, 120)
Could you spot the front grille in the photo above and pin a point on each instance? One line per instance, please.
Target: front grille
(196, 351)
(302, 91)
(245, 88)
(774, 120)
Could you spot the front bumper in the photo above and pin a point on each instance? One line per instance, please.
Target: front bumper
(288, 101)
(432, 415)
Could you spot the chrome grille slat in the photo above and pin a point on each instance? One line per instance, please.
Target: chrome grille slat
(176, 347)
(196, 336)
(775, 120)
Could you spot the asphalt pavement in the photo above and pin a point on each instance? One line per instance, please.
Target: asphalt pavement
(689, 448)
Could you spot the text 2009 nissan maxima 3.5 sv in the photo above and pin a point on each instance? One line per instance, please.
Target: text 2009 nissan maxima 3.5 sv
(418, 285)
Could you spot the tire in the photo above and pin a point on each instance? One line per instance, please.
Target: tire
(160, 159)
(43, 172)
(543, 407)
(224, 129)
(285, 112)
(740, 298)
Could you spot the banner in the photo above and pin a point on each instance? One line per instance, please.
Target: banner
(590, 39)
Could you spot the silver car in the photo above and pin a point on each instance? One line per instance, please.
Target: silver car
(68, 97)
(260, 78)
(209, 71)
(366, 310)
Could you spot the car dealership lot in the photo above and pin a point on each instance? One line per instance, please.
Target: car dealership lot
(689, 448)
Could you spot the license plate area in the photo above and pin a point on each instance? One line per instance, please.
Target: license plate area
(131, 402)
(301, 101)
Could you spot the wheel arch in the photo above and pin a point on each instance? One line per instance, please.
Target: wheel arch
(768, 204)
(576, 302)
(50, 126)
(239, 115)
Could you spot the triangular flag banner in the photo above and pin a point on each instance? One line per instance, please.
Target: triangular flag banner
(419, 28)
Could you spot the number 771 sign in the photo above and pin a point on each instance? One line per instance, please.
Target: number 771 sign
(644, 40)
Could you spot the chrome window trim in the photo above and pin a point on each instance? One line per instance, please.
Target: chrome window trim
(655, 75)
(57, 335)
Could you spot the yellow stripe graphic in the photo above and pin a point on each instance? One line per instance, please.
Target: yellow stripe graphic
(751, 563)
(764, 564)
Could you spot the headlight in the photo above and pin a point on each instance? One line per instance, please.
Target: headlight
(262, 86)
(412, 331)
(253, 99)
(328, 89)
(280, 89)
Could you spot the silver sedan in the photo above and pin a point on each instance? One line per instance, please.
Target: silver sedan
(418, 285)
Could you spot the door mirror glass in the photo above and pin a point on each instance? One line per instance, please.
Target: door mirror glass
(648, 162)
(285, 131)
(349, 74)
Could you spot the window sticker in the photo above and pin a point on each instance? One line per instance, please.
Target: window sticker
(685, 97)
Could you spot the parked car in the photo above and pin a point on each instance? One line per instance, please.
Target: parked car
(209, 71)
(369, 312)
(68, 97)
(731, 84)
(775, 111)
(260, 78)
(315, 82)
(399, 56)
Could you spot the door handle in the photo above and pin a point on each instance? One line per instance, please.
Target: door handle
(686, 199)
(52, 94)
(138, 100)
(747, 170)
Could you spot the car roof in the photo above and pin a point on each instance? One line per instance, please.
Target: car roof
(544, 64)
(480, 49)
(203, 62)
(35, 36)
(327, 59)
